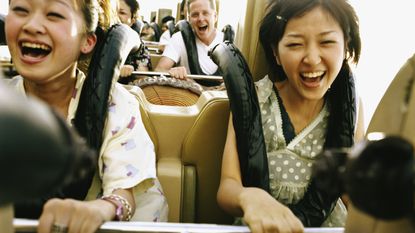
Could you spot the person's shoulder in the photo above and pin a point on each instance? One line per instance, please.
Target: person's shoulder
(16, 82)
(264, 88)
(177, 36)
(124, 99)
(264, 82)
(175, 45)
(165, 37)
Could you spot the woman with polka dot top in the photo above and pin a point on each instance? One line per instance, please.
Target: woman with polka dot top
(308, 104)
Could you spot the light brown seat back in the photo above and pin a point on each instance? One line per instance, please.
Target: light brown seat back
(395, 114)
(189, 144)
(149, 127)
(167, 95)
(202, 153)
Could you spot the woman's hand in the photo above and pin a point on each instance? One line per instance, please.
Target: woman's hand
(178, 72)
(262, 213)
(126, 70)
(76, 216)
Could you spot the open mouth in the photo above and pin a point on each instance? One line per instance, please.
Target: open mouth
(203, 28)
(34, 50)
(312, 77)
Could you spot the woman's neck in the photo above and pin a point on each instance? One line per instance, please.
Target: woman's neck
(57, 93)
(300, 110)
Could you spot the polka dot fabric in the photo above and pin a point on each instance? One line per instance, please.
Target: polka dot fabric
(290, 163)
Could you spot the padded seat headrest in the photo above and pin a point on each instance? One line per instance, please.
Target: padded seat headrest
(161, 90)
(171, 96)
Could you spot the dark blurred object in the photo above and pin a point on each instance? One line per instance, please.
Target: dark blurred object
(38, 152)
(228, 33)
(378, 176)
(328, 171)
(2, 31)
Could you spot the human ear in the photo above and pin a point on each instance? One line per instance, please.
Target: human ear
(89, 43)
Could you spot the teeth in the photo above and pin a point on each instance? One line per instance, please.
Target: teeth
(36, 46)
(313, 74)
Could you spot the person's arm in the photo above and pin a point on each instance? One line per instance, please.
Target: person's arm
(81, 216)
(170, 61)
(261, 212)
(164, 64)
(139, 60)
(167, 65)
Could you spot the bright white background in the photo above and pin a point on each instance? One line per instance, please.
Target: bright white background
(387, 31)
(388, 36)
(3, 6)
(147, 6)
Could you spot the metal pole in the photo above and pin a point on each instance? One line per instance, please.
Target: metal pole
(192, 76)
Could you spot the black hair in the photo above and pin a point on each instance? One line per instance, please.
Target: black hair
(167, 18)
(134, 7)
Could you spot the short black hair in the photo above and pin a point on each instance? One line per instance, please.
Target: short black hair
(167, 18)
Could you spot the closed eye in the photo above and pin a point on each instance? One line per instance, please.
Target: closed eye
(55, 15)
(292, 45)
(20, 10)
(328, 42)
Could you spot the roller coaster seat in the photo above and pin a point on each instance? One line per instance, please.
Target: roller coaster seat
(189, 146)
(395, 113)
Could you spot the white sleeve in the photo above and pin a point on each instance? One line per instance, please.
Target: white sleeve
(174, 47)
(165, 38)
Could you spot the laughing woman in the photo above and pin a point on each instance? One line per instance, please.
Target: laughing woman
(46, 39)
(308, 104)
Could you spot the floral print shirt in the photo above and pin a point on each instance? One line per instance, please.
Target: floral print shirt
(127, 156)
